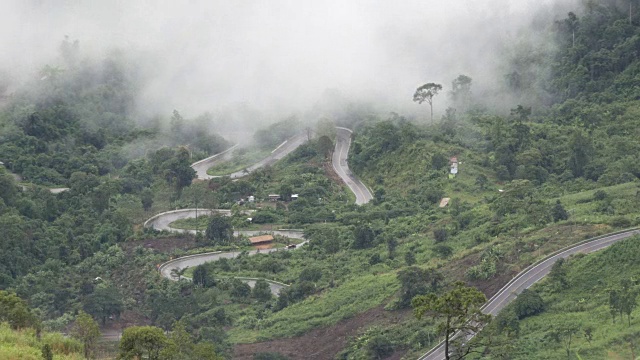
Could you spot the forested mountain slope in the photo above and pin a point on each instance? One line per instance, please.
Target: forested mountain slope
(532, 179)
(557, 166)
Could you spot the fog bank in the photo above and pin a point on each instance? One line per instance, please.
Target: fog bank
(277, 56)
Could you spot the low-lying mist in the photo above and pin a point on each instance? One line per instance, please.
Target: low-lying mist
(255, 61)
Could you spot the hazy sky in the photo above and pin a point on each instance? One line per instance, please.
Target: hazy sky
(272, 54)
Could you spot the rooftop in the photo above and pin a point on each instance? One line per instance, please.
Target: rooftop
(261, 239)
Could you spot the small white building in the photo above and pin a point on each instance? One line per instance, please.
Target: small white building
(454, 165)
(294, 196)
(251, 198)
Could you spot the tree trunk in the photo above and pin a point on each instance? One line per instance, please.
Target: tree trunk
(446, 340)
(431, 106)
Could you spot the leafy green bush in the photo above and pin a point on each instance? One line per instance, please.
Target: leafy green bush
(440, 234)
(528, 303)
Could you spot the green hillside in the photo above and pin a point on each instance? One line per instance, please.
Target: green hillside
(556, 165)
(25, 345)
(578, 303)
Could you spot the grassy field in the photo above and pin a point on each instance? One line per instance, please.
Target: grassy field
(203, 221)
(25, 345)
(191, 223)
(584, 305)
(347, 300)
(241, 159)
(620, 203)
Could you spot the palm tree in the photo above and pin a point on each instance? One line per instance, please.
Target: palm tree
(177, 273)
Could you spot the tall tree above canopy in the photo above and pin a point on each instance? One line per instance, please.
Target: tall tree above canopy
(219, 230)
(461, 91)
(460, 311)
(179, 171)
(177, 123)
(572, 23)
(426, 93)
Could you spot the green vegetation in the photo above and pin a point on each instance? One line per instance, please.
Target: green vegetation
(199, 224)
(560, 165)
(461, 313)
(86, 330)
(240, 159)
(343, 302)
(148, 342)
(266, 140)
(274, 134)
(21, 335)
(239, 220)
(26, 345)
(582, 303)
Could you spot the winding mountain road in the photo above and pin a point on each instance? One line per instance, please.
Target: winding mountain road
(341, 167)
(184, 262)
(163, 220)
(203, 165)
(508, 293)
(281, 151)
(338, 160)
(535, 273)
(278, 153)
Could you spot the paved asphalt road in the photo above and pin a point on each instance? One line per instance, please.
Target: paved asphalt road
(278, 153)
(281, 151)
(339, 161)
(530, 276)
(195, 260)
(162, 221)
(203, 165)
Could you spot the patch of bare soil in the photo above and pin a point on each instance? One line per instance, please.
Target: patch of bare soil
(162, 245)
(325, 343)
(331, 174)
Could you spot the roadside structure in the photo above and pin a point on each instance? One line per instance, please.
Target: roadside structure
(261, 240)
(454, 167)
